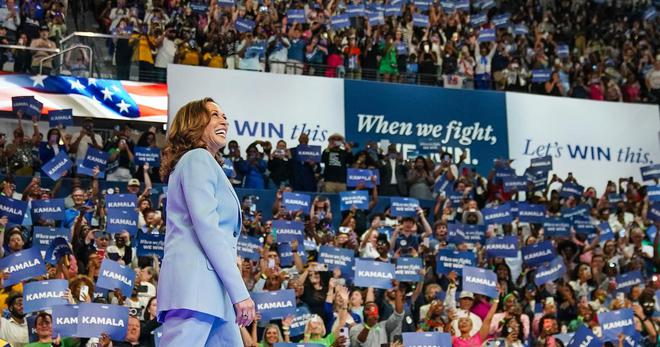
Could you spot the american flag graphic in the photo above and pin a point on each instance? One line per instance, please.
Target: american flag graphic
(89, 97)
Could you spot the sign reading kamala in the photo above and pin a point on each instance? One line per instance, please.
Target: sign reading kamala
(309, 153)
(113, 275)
(497, 215)
(337, 258)
(28, 104)
(286, 254)
(121, 201)
(57, 166)
(357, 198)
(275, 304)
(22, 265)
(505, 246)
(294, 202)
(44, 295)
(625, 281)
(273, 118)
(408, 269)
(357, 176)
(122, 219)
(616, 147)
(65, 320)
(95, 319)
(94, 158)
(550, 272)
(149, 155)
(60, 117)
(584, 337)
(480, 281)
(538, 253)
(614, 323)
(376, 274)
(48, 209)
(287, 231)
(531, 213)
(426, 339)
(403, 207)
(464, 121)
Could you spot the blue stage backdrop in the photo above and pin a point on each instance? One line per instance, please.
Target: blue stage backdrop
(459, 120)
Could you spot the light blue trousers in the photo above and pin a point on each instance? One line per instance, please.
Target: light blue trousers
(185, 328)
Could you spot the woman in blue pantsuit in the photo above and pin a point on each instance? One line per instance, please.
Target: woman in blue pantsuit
(202, 299)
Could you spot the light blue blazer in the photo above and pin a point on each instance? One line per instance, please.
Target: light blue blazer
(199, 270)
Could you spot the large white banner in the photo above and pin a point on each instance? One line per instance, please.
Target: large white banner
(597, 141)
(263, 106)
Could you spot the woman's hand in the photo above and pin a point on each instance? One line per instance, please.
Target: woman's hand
(245, 312)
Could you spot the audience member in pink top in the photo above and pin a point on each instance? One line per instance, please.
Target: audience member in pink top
(481, 306)
(465, 325)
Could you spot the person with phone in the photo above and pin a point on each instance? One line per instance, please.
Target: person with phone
(336, 157)
(279, 164)
(373, 332)
(121, 156)
(201, 253)
(393, 174)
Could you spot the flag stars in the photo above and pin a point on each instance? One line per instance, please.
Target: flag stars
(123, 106)
(91, 81)
(38, 80)
(116, 89)
(75, 84)
(107, 94)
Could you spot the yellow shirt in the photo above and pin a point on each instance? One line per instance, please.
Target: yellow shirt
(143, 51)
(214, 60)
(190, 57)
(18, 288)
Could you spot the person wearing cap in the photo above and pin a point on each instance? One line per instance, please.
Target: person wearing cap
(133, 186)
(44, 43)
(373, 332)
(14, 329)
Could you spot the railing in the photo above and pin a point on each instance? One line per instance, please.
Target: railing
(102, 46)
(26, 48)
(63, 51)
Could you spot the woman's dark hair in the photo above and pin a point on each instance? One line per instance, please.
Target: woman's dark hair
(505, 327)
(143, 140)
(426, 163)
(54, 131)
(146, 315)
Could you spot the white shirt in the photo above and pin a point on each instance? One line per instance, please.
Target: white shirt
(85, 141)
(280, 54)
(14, 333)
(476, 322)
(165, 54)
(393, 166)
(10, 24)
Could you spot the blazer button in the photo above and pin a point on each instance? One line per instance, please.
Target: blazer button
(235, 234)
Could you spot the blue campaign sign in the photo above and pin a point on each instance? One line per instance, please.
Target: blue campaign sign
(455, 233)
(113, 275)
(650, 172)
(300, 319)
(65, 320)
(429, 144)
(309, 153)
(531, 213)
(355, 10)
(563, 51)
(539, 179)
(52, 209)
(376, 18)
(121, 219)
(480, 281)
(357, 176)
(392, 10)
(228, 168)
(43, 295)
(464, 121)
(513, 206)
(22, 265)
(57, 166)
(294, 202)
(44, 236)
(28, 104)
(606, 232)
(121, 201)
(497, 215)
(249, 247)
(502, 20)
(60, 117)
(420, 20)
(82, 170)
(569, 189)
(424, 339)
(96, 319)
(449, 260)
(614, 323)
(583, 226)
(478, 19)
(334, 257)
(628, 280)
(371, 273)
(295, 16)
(487, 35)
(275, 304)
(286, 254)
(407, 269)
(286, 231)
(14, 210)
(653, 192)
(515, 183)
(552, 271)
(442, 184)
(538, 253)
(58, 248)
(650, 13)
(150, 243)
(557, 227)
(503, 246)
(340, 21)
(150, 155)
(95, 157)
(654, 212)
(581, 210)
(474, 233)
(244, 25)
(584, 337)
(541, 164)
(403, 207)
(462, 5)
(520, 29)
(541, 76)
(357, 198)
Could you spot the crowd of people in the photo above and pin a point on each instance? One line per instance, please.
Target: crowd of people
(331, 310)
(600, 50)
